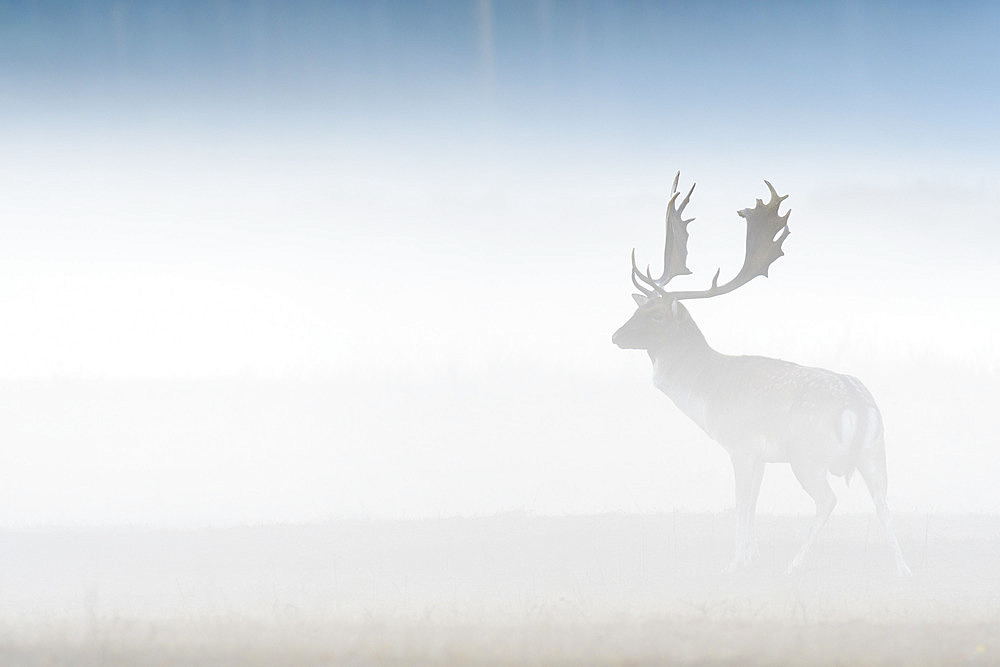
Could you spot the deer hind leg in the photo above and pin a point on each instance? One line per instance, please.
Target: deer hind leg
(872, 468)
(748, 471)
(813, 479)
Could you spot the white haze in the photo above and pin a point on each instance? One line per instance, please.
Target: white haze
(293, 336)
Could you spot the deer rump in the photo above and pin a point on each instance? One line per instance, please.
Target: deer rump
(792, 412)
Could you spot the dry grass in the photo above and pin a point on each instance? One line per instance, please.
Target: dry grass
(606, 590)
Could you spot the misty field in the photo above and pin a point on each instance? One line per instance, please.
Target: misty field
(510, 589)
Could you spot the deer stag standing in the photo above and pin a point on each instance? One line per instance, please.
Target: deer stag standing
(760, 410)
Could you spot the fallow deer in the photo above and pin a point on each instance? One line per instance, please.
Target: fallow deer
(760, 410)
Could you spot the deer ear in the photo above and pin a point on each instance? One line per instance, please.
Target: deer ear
(640, 299)
(673, 307)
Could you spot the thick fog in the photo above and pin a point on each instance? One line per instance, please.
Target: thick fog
(296, 342)
(266, 267)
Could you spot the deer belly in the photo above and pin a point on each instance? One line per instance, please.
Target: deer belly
(760, 447)
(773, 451)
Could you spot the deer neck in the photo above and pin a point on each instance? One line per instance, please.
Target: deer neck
(682, 369)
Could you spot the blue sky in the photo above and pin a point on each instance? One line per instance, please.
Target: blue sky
(846, 93)
(643, 76)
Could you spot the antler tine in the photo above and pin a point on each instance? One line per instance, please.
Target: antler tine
(635, 273)
(687, 198)
(763, 246)
(649, 278)
(774, 194)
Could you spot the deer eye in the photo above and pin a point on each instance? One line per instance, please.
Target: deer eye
(659, 316)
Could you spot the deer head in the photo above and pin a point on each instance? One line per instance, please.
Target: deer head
(660, 316)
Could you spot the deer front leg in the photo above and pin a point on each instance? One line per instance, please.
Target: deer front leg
(813, 478)
(748, 470)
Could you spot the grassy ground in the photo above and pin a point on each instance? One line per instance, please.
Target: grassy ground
(514, 589)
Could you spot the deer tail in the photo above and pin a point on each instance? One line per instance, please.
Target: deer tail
(860, 427)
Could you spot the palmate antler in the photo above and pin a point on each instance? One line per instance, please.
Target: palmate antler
(766, 231)
(675, 247)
